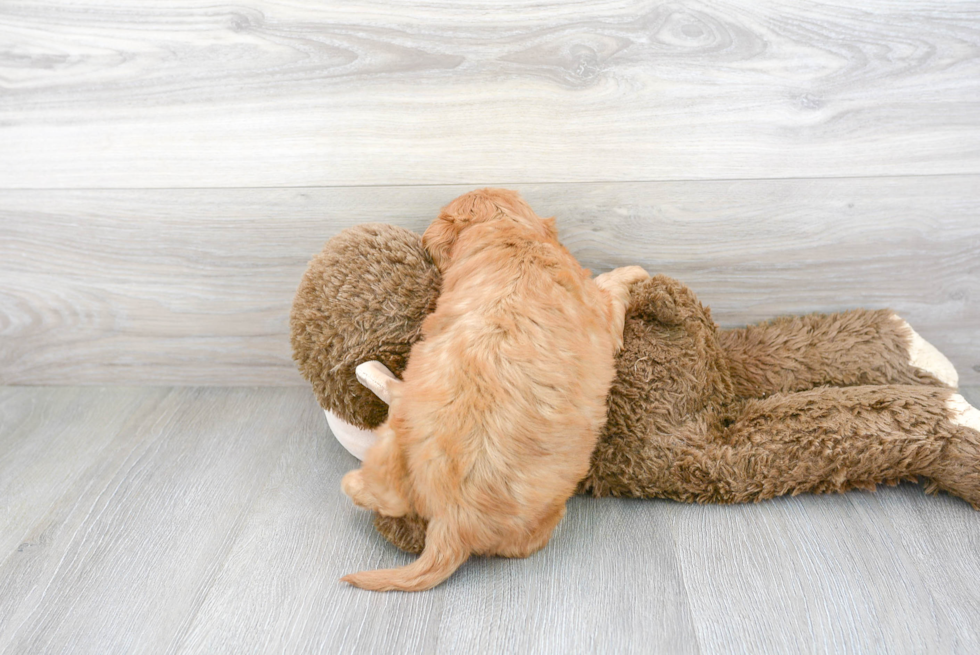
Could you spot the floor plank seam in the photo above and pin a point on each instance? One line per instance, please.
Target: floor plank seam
(503, 183)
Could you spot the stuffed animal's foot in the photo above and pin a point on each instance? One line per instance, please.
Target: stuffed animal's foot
(853, 348)
(923, 355)
(958, 470)
(963, 413)
(407, 532)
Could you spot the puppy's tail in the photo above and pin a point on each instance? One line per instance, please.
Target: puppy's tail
(444, 553)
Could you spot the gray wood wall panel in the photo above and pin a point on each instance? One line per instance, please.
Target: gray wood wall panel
(212, 521)
(194, 285)
(308, 93)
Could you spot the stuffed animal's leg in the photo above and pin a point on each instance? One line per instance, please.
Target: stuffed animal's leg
(958, 471)
(616, 286)
(819, 441)
(847, 349)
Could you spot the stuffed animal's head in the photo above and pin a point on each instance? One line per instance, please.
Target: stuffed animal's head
(363, 298)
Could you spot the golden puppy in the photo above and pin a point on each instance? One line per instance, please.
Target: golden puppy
(503, 399)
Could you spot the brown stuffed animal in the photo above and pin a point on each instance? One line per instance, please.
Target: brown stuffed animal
(819, 403)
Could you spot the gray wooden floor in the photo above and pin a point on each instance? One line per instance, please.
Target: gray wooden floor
(210, 520)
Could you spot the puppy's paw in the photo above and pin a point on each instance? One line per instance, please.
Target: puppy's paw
(616, 285)
(353, 485)
(378, 498)
(632, 274)
(619, 280)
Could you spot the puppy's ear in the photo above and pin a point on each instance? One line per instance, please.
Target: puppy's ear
(468, 209)
(439, 239)
(549, 227)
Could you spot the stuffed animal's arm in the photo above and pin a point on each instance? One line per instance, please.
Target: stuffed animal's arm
(375, 376)
(845, 349)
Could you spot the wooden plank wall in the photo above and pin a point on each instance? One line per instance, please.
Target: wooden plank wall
(167, 168)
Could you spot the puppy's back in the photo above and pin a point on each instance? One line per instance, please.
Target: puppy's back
(505, 395)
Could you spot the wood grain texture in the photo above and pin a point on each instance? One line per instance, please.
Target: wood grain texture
(193, 286)
(796, 559)
(211, 520)
(309, 93)
(123, 560)
(49, 444)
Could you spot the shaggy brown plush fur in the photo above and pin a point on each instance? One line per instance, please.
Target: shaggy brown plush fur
(812, 404)
(797, 353)
(354, 306)
(690, 422)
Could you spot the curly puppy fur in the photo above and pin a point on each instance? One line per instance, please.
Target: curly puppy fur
(502, 400)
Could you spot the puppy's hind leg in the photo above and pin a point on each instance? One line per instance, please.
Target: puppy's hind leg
(616, 286)
(537, 538)
(377, 485)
